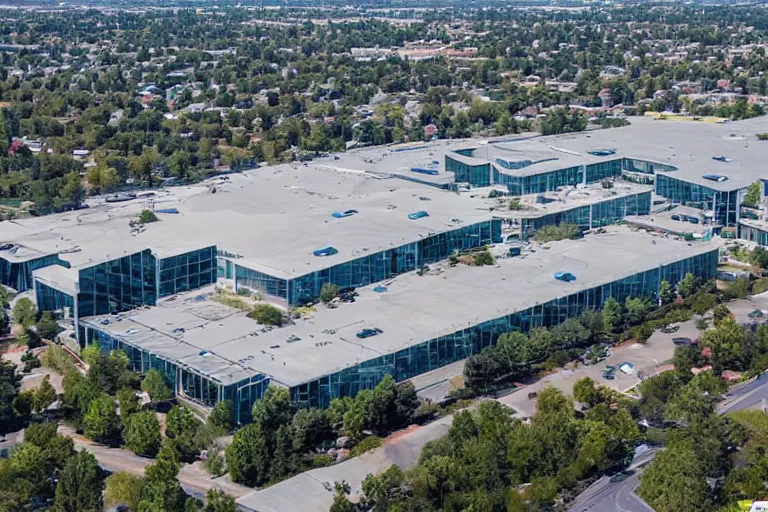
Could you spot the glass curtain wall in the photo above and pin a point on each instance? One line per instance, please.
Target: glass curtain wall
(118, 285)
(753, 234)
(184, 380)
(18, 275)
(444, 350)
(187, 271)
(723, 204)
(475, 175)
(385, 264)
(51, 299)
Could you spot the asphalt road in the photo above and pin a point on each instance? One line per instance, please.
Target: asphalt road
(605, 496)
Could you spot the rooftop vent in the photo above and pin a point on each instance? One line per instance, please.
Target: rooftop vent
(602, 152)
(345, 213)
(719, 178)
(325, 251)
(722, 158)
(418, 215)
(565, 276)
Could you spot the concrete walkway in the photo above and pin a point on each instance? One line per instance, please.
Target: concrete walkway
(312, 491)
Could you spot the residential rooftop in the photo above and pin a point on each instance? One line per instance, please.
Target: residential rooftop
(225, 344)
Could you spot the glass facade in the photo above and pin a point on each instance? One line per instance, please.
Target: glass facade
(633, 165)
(260, 282)
(475, 175)
(51, 299)
(551, 181)
(118, 285)
(18, 275)
(185, 381)
(753, 234)
(187, 271)
(724, 205)
(374, 267)
(444, 350)
(593, 216)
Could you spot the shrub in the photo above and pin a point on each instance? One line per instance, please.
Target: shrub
(329, 291)
(48, 328)
(759, 286)
(267, 314)
(147, 216)
(553, 233)
(483, 258)
(762, 136)
(737, 289)
(367, 444)
(702, 324)
(515, 204)
(57, 359)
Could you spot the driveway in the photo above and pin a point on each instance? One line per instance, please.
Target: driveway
(192, 477)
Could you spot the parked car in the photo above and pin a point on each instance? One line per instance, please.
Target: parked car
(675, 217)
(670, 328)
(681, 341)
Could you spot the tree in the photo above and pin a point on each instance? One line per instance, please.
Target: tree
(687, 285)
(143, 434)
(637, 308)
(47, 327)
(666, 292)
(584, 391)
(613, 313)
(123, 489)
(129, 405)
(273, 409)
(219, 501)
(727, 344)
(101, 422)
(752, 198)
(161, 491)
(155, 385)
(181, 427)
(10, 382)
(309, 428)
(30, 338)
(24, 312)
(675, 482)
(223, 415)
(248, 456)
(45, 395)
(80, 485)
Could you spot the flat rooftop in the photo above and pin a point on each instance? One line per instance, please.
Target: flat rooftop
(413, 309)
(687, 145)
(274, 218)
(564, 199)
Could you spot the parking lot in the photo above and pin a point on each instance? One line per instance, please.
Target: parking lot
(646, 359)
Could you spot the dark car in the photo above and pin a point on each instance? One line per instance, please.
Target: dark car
(620, 477)
(609, 375)
(675, 217)
(681, 341)
(367, 333)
